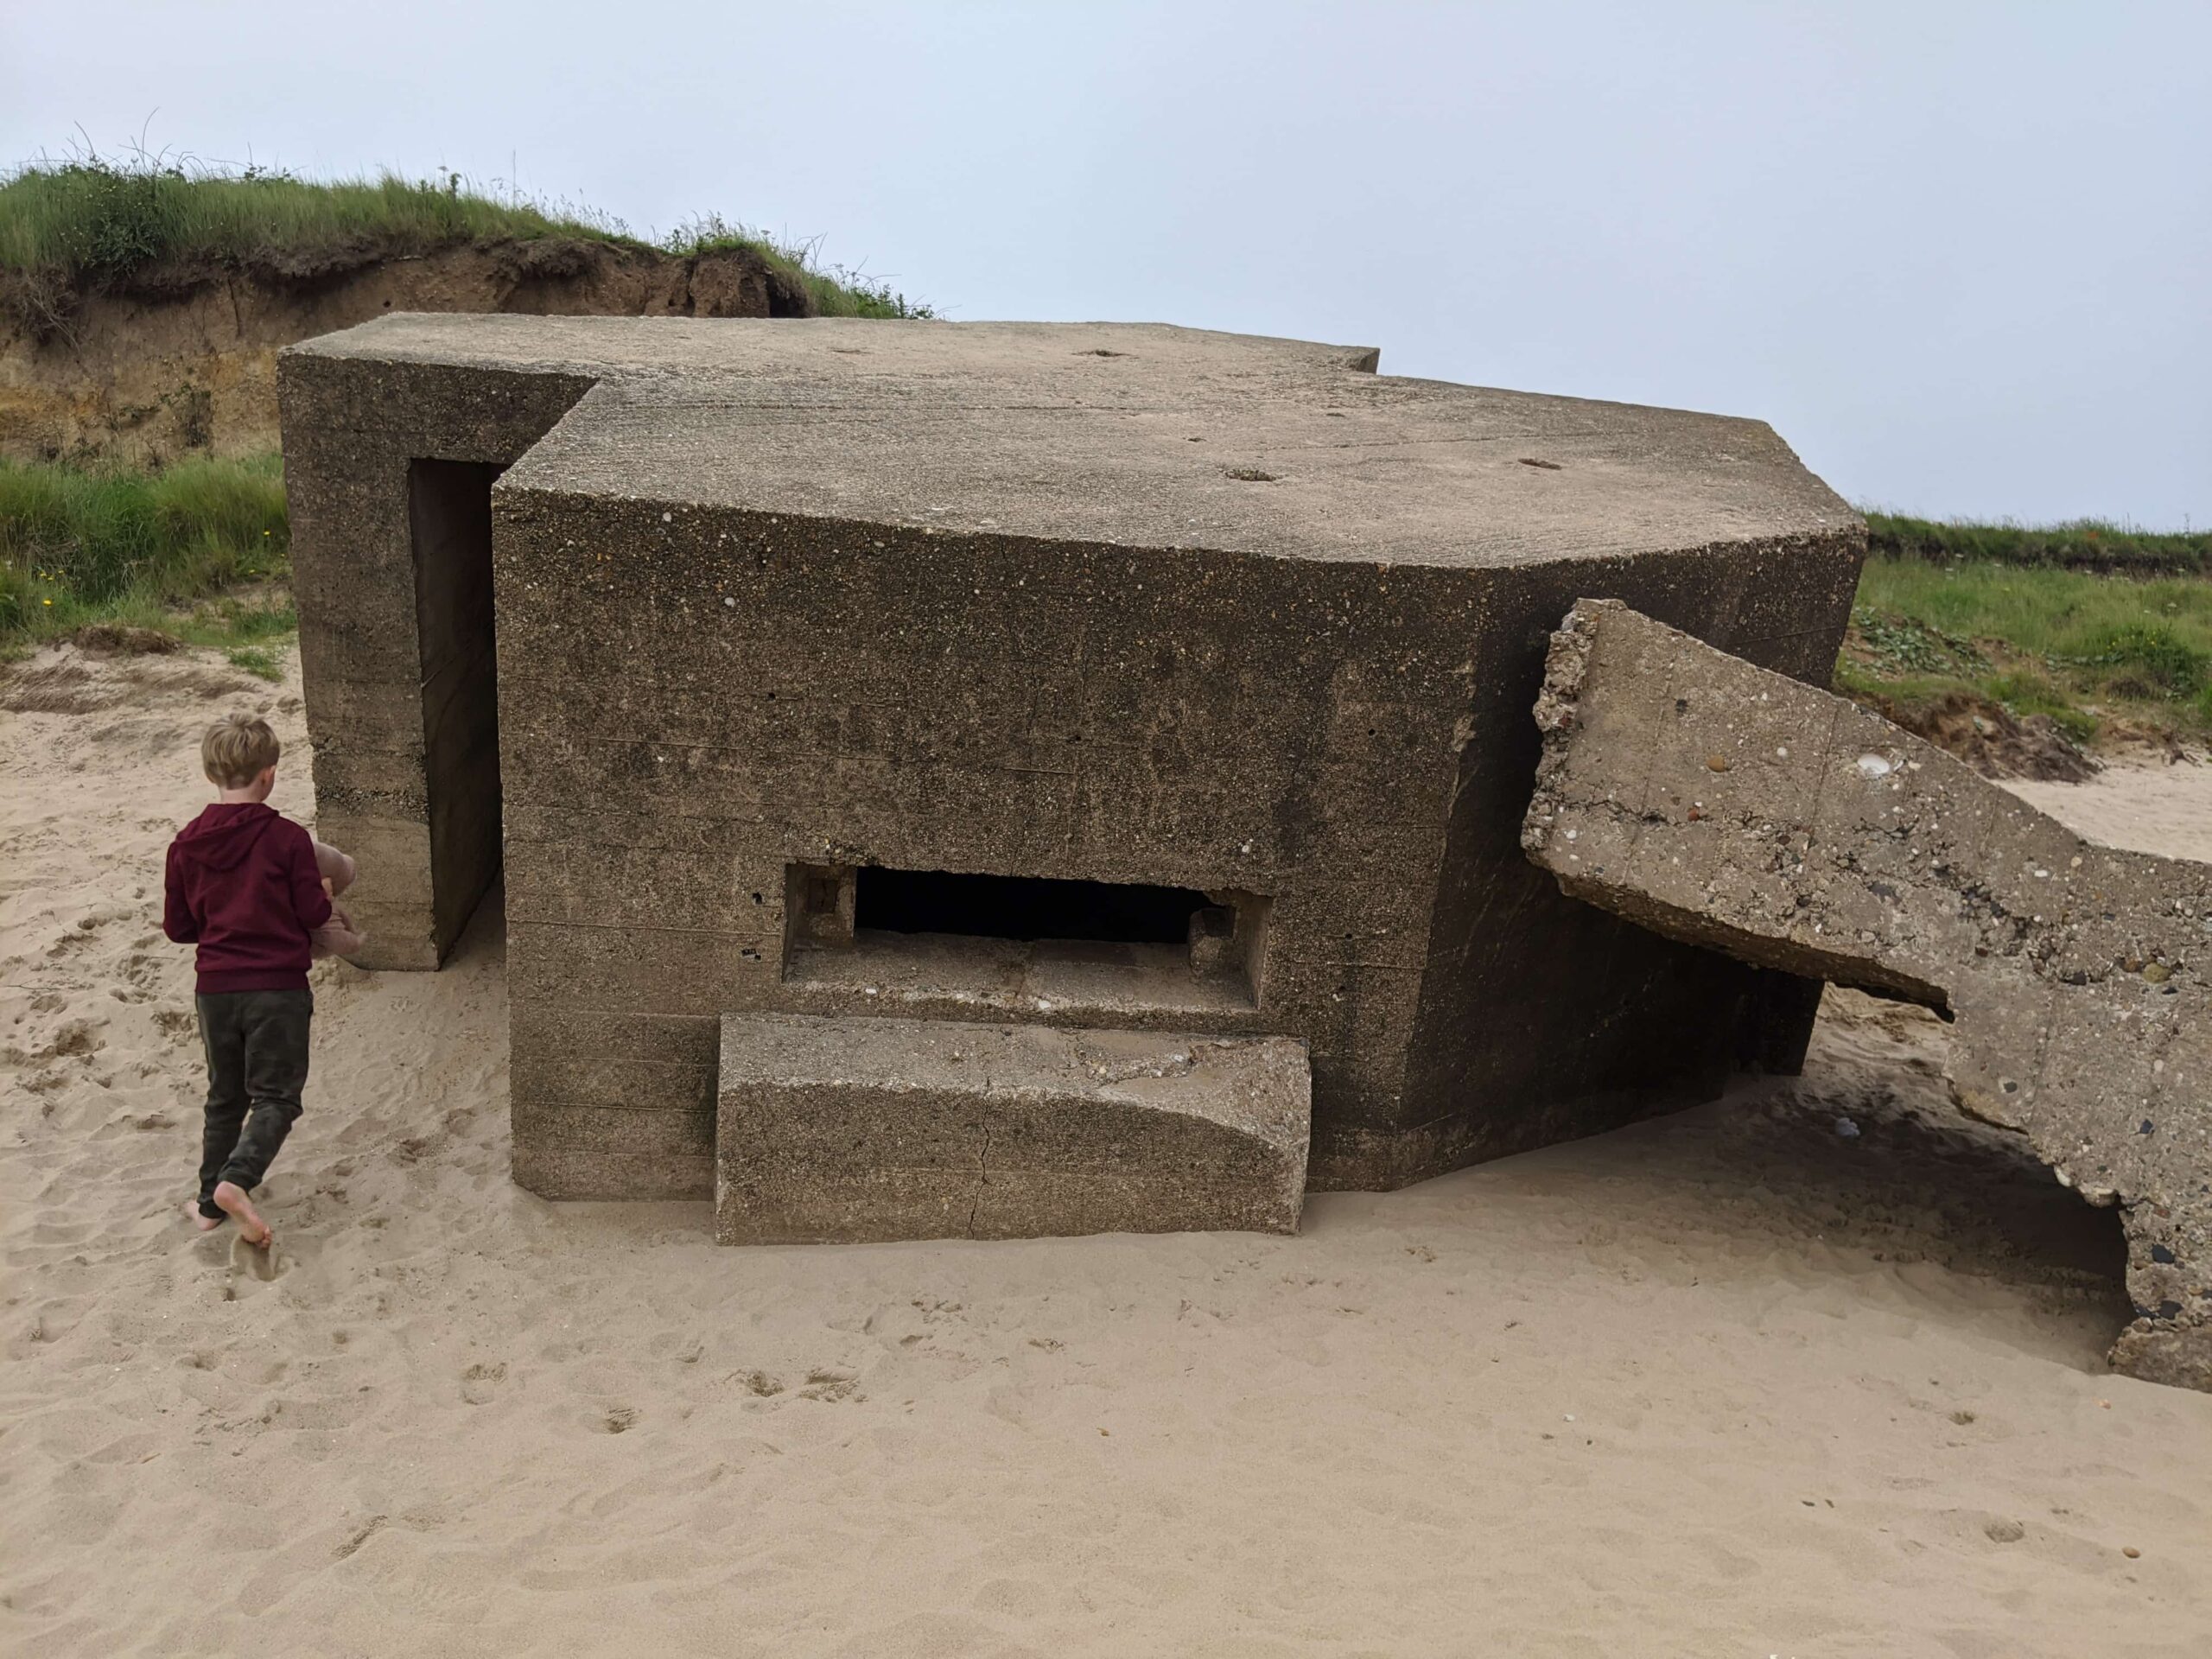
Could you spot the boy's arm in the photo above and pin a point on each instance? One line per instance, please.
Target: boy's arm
(309, 902)
(178, 922)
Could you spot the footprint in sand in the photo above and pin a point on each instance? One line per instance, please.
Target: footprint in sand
(358, 1536)
(264, 1265)
(477, 1382)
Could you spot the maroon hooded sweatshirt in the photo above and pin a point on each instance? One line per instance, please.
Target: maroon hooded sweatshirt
(242, 885)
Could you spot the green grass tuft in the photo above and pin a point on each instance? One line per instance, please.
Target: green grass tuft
(81, 547)
(256, 660)
(2082, 647)
(835, 290)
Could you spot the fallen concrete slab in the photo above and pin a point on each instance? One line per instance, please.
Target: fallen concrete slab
(1722, 805)
(851, 1128)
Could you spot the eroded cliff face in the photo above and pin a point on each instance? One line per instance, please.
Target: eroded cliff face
(184, 361)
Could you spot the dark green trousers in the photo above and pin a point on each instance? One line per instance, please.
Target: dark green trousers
(256, 1044)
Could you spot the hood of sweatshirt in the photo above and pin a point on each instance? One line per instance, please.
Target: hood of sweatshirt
(220, 837)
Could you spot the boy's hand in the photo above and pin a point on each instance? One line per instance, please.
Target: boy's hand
(328, 892)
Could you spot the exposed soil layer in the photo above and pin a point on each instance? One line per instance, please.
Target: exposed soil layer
(1990, 738)
(183, 359)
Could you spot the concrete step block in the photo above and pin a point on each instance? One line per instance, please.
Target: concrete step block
(856, 1128)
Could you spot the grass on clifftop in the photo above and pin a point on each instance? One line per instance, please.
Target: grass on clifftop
(2095, 652)
(73, 226)
(2085, 544)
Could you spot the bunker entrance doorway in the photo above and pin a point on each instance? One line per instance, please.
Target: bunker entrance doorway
(1012, 940)
(449, 526)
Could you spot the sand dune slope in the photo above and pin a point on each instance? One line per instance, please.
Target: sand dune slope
(1732, 1382)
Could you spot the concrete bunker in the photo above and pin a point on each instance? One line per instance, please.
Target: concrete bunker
(1131, 684)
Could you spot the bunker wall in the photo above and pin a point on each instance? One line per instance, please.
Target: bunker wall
(1541, 1021)
(694, 703)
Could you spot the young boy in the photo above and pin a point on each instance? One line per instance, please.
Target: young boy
(243, 887)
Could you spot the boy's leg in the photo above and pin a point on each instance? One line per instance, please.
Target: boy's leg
(222, 1036)
(275, 1026)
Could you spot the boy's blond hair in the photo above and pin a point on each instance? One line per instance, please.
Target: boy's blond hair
(237, 750)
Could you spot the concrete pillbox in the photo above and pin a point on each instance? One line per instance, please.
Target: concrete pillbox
(1111, 676)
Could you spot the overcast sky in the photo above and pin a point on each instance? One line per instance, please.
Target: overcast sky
(1961, 256)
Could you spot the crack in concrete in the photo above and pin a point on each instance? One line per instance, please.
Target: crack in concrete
(982, 1178)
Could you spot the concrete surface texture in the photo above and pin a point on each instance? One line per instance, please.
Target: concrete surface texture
(849, 1128)
(793, 619)
(1710, 800)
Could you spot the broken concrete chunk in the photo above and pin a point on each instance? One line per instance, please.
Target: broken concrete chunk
(853, 1129)
(1716, 803)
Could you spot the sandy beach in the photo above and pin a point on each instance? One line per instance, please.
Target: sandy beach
(1816, 1369)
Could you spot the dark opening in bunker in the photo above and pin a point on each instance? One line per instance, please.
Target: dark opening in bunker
(1022, 906)
(1014, 941)
(449, 525)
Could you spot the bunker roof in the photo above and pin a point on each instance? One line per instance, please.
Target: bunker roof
(1137, 433)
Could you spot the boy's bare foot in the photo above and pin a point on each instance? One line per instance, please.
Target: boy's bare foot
(205, 1223)
(230, 1199)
